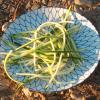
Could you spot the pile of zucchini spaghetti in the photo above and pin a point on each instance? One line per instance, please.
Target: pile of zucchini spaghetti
(49, 49)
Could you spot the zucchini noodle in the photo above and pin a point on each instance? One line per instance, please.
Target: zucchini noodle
(48, 52)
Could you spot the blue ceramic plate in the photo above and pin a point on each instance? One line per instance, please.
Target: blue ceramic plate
(87, 38)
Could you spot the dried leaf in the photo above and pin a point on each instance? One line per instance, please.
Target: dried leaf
(75, 95)
(38, 96)
(35, 6)
(28, 5)
(1, 1)
(26, 92)
(4, 26)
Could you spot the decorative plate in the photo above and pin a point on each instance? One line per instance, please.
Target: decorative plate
(87, 37)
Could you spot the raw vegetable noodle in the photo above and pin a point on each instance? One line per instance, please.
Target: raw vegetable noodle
(49, 49)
